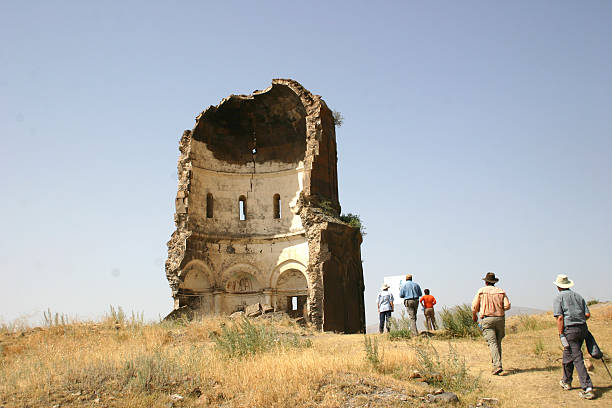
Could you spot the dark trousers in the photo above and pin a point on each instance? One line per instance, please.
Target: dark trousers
(384, 316)
(572, 356)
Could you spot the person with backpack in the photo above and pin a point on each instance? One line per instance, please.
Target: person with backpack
(572, 312)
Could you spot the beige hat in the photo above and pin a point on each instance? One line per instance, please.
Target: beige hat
(385, 286)
(563, 282)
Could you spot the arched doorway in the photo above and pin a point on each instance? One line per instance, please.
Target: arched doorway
(195, 289)
(292, 293)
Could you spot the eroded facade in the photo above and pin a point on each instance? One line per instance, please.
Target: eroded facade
(254, 173)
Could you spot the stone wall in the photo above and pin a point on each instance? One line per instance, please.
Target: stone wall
(272, 153)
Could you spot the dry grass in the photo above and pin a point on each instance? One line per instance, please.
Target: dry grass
(126, 363)
(139, 365)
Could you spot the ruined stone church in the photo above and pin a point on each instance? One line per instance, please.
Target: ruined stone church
(257, 212)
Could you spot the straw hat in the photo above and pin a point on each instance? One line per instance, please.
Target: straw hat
(490, 277)
(385, 286)
(563, 282)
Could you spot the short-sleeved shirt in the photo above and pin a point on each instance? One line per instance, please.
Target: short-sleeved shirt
(490, 301)
(384, 301)
(571, 306)
(428, 301)
(410, 290)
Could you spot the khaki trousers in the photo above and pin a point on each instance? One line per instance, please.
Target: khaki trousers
(430, 319)
(412, 305)
(494, 330)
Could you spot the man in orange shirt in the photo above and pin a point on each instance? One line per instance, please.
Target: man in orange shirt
(428, 302)
(491, 303)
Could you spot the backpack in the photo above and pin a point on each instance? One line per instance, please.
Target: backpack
(592, 346)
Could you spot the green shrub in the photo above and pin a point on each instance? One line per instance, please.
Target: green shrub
(538, 347)
(243, 339)
(354, 221)
(458, 321)
(371, 349)
(400, 328)
(149, 371)
(338, 118)
(592, 302)
(449, 373)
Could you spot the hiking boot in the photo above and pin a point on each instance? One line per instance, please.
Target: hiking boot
(497, 371)
(565, 385)
(587, 394)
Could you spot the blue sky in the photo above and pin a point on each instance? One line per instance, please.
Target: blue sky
(477, 137)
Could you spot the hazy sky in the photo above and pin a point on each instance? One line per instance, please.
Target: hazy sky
(477, 137)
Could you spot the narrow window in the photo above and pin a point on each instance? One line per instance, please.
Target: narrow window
(243, 208)
(294, 303)
(209, 205)
(277, 206)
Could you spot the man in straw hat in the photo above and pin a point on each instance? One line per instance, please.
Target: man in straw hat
(491, 303)
(385, 307)
(572, 312)
(411, 292)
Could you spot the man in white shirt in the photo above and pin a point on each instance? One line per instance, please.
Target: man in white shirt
(385, 307)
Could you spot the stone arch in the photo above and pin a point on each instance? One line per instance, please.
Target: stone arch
(289, 283)
(284, 266)
(240, 271)
(196, 286)
(196, 276)
(241, 287)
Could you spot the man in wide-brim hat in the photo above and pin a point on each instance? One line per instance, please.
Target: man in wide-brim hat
(384, 303)
(491, 304)
(572, 312)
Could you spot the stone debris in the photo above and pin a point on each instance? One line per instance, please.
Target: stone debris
(176, 397)
(445, 397)
(415, 374)
(253, 310)
(439, 391)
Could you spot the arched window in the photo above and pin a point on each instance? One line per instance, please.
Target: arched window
(209, 205)
(277, 206)
(242, 208)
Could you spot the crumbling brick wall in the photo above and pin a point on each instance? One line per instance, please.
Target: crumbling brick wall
(276, 144)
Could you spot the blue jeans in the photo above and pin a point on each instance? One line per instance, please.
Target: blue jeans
(384, 316)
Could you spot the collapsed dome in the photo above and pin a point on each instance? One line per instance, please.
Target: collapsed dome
(270, 123)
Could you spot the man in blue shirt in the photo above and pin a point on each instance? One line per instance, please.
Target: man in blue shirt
(572, 312)
(411, 292)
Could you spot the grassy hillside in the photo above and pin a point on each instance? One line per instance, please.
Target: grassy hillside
(273, 362)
